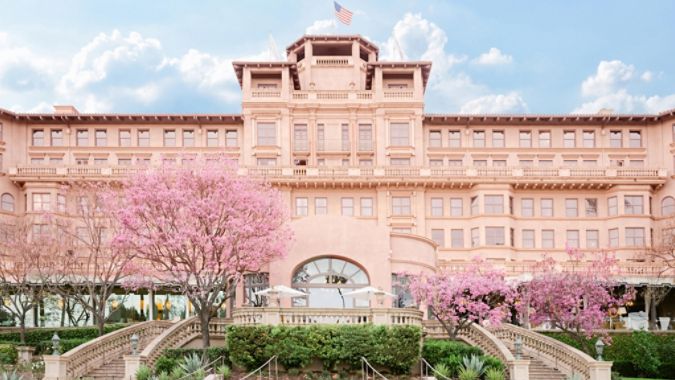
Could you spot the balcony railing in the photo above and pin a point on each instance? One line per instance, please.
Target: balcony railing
(311, 316)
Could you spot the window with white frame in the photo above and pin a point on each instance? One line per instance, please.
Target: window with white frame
(633, 204)
(397, 161)
(38, 137)
(367, 206)
(436, 206)
(266, 134)
(569, 139)
(266, 161)
(301, 206)
(320, 206)
(55, 160)
(7, 202)
(124, 161)
(399, 134)
(435, 139)
(494, 236)
(479, 139)
(544, 139)
(635, 237)
(615, 139)
(82, 137)
(40, 231)
(231, 138)
(612, 206)
(475, 237)
(546, 206)
(452, 162)
(457, 238)
(400, 206)
(124, 137)
(170, 137)
(438, 236)
(41, 202)
(143, 136)
(347, 206)
(454, 139)
(56, 136)
(61, 203)
(498, 162)
(547, 239)
(527, 207)
(668, 206)
(591, 207)
(494, 204)
(592, 239)
(212, 138)
(480, 163)
(571, 207)
(474, 206)
(456, 206)
(436, 162)
(300, 137)
(635, 139)
(365, 162)
(101, 136)
(344, 138)
(572, 238)
(365, 137)
(588, 139)
(497, 139)
(528, 238)
(188, 137)
(525, 139)
(613, 234)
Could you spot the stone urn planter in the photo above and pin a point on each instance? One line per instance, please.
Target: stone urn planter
(25, 354)
(664, 322)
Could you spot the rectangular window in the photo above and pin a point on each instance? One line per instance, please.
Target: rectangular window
(544, 139)
(494, 204)
(300, 138)
(527, 207)
(264, 161)
(528, 238)
(479, 139)
(56, 137)
(143, 136)
(635, 237)
(169, 137)
(454, 139)
(438, 236)
(569, 139)
(475, 237)
(480, 163)
(546, 207)
(365, 162)
(573, 238)
(636, 163)
(547, 239)
(320, 206)
(436, 206)
(435, 162)
(499, 163)
(301, 206)
(591, 207)
(635, 139)
(456, 207)
(61, 203)
(633, 205)
(101, 136)
(266, 134)
(188, 137)
(38, 137)
(399, 161)
(615, 139)
(124, 161)
(526, 163)
(212, 138)
(100, 161)
(125, 137)
(365, 137)
(546, 163)
(82, 136)
(494, 236)
(613, 237)
(347, 205)
(589, 139)
(400, 206)
(55, 160)
(497, 139)
(41, 202)
(592, 239)
(231, 138)
(589, 163)
(571, 207)
(525, 139)
(570, 163)
(366, 206)
(474, 206)
(435, 138)
(37, 160)
(612, 206)
(344, 135)
(457, 238)
(455, 162)
(399, 134)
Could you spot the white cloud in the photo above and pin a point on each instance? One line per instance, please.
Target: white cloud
(493, 57)
(610, 86)
(320, 27)
(495, 104)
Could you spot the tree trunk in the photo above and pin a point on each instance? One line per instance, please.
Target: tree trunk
(22, 330)
(648, 303)
(204, 318)
(652, 316)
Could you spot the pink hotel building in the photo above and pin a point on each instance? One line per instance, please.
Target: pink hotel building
(375, 185)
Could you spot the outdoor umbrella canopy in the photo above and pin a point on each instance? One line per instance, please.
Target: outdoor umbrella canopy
(368, 292)
(280, 291)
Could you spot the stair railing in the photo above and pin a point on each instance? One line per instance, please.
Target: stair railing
(427, 371)
(272, 370)
(369, 372)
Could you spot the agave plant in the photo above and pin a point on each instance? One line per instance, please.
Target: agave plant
(443, 371)
(494, 374)
(11, 376)
(474, 363)
(224, 371)
(143, 373)
(468, 374)
(191, 363)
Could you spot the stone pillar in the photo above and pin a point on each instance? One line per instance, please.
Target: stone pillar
(600, 371)
(25, 354)
(55, 367)
(519, 369)
(271, 316)
(131, 365)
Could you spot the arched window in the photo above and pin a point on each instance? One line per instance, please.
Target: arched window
(668, 206)
(326, 280)
(7, 201)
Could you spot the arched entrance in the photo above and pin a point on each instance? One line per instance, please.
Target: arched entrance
(326, 280)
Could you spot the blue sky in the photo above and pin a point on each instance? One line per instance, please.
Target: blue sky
(488, 56)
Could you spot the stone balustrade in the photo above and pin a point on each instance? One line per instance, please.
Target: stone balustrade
(92, 355)
(566, 359)
(310, 316)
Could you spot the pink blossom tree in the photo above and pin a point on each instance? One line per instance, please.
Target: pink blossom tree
(478, 295)
(575, 297)
(199, 229)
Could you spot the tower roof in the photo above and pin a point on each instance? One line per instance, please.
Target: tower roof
(337, 38)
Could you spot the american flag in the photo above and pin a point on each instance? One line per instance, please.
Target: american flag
(343, 14)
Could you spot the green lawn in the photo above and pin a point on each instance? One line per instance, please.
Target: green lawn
(640, 378)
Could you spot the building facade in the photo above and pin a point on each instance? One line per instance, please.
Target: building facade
(377, 187)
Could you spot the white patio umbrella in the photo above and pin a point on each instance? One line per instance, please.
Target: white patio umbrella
(278, 291)
(368, 292)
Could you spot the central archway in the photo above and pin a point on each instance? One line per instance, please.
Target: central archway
(326, 280)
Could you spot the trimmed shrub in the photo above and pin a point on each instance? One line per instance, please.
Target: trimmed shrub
(8, 354)
(437, 351)
(45, 347)
(36, 337)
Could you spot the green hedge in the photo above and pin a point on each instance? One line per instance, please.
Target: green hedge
(8, 354)
(40, 338)
(638, 354)
(450, 353)
(395, 349)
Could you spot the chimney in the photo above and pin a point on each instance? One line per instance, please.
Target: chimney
(66, 110)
